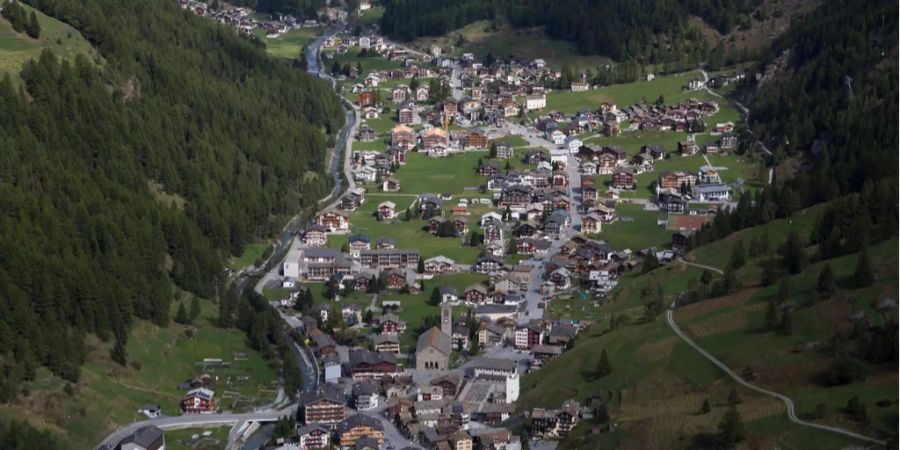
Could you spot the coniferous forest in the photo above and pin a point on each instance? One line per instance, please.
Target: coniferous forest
(653, 30)
(123, 178)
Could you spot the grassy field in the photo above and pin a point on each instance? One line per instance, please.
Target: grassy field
(370, 17)
(290, 44)
(250, 255)
(407, 234)
(109, 395)
(658, 383)
(669, 86)
(369, 64)
(455, 174)
(524, 44)
(636, 229)
(56, 36)
(197, 439)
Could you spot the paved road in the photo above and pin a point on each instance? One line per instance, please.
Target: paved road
(792, 416)
(194, 420)
(703, 266)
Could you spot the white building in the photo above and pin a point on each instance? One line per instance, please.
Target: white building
(533, 102)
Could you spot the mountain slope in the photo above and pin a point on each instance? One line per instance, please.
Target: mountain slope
(180, 104)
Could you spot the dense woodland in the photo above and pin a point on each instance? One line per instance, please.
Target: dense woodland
(302, 8)
(121, 180)
(652, 31)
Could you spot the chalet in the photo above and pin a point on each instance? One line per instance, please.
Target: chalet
(449, 295)
(537, 247)
(475, 294)
(399, 94)
(366, 365)
(366, 98)
(334, 221)
(387, 210)
(385, 243)
(315, 236)
(490, 334)
(449, 384)
(395, 278)
(504, 151)
(360, 429)
(488, 169)
(681, 239)
(422, 94)
(710, 149)
(403, 136)
(544, 353)
(711, 192)
(199, 401)
(527, 336)
(687, 148)
(439, 264)
(493, 232)
(386, 343)
(461, 225)
(728, 141)
(366, 134)
(671, 200)
(579, 86)
(487, 264)
(525, 230)
(591, 223)
(533, 102)
(406, 116)
(434, 137)
(390, 184)
(476, 139)
(676, 178)
(655, 151)
(365, 174)
(313, 436)
(391, 325)
(623, 179)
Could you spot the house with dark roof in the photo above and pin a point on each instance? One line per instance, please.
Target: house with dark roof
(144, 438)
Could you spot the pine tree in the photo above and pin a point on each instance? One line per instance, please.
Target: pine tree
(772, 319)
(863, 275)
(784, 290)
(435, 298)
(118, 354)
(706, 277)
(856, 409)
(420, 268)
(33, 28)
(181, 317)
(769, 274)
(733, 397)
(603, 366)
(731, 429)
(826, 285)
(787, 322)
(705, 409)
(738, 255)
(195, 309)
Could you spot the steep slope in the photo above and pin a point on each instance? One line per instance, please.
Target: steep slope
(658, 384)
(182, 105)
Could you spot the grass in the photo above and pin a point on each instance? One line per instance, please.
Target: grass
(407, 234)
(455, 174)
(512, 140)
(108, 395)
(61, 39)
(250, 255)
(669, 86)
(658, 383)
(194, 439)
(370, 17)
(369, 64)
(638, 233)
(290, 44)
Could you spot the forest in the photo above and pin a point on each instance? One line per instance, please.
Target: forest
(125, 181)
(302, 8)
(648, 30)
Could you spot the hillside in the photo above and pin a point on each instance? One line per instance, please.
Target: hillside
(125, 184)
(658, 383)
(57, 37)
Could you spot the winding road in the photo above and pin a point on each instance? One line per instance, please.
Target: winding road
(791, 411)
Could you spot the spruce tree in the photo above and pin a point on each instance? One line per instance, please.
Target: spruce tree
(863, 275)
(787, 322)
(420, 268)
(195, 309)
(826, 285)
(731, 428)
(772, 319)
(733, 397)
(118, 354)
(705, 408)
(181, 317)
(603, 366)
(33, 28)
(738, 255)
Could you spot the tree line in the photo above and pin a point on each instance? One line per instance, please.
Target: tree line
(649, 30)
(21, 21)
(178, 103)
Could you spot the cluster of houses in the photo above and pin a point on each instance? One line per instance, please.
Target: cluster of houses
(243, 20)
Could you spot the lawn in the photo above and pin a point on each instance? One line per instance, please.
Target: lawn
(407, 234)
(370, 17)
(512, 140)
(250, 255)
(669, 86)
(197, 439)
(108, 395)
(636, 229)
(58, 37)
(369, 64)
(290, 44)
(455, 174)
